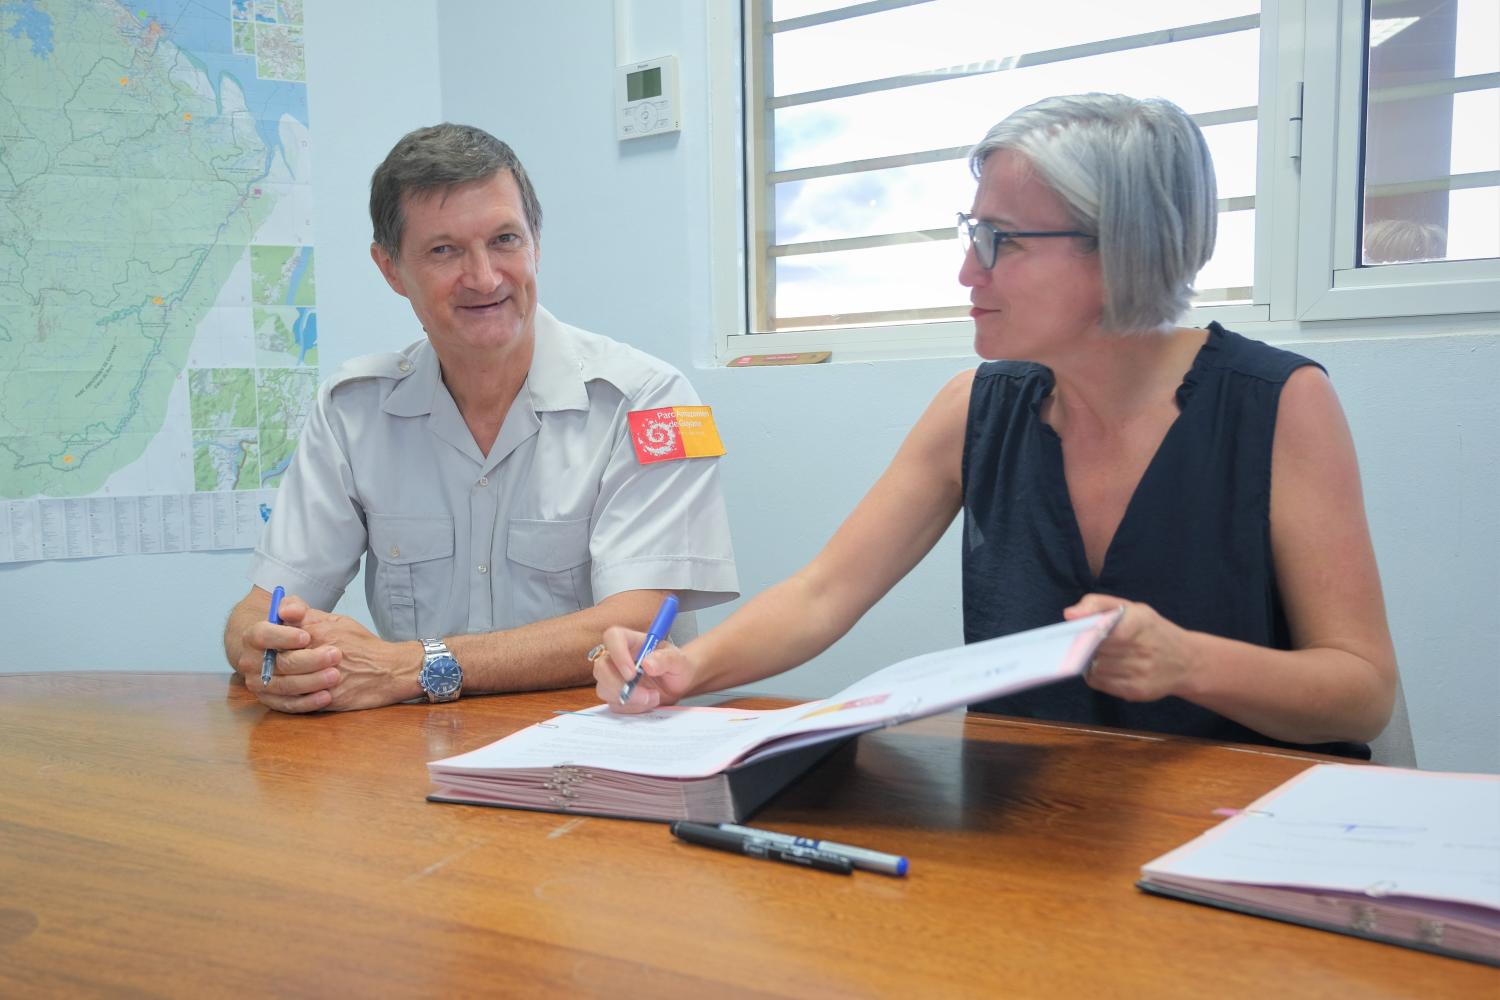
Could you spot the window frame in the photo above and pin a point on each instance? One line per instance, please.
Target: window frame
(1307, 194)
(1329, 284)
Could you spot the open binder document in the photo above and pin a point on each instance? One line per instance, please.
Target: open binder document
(718, 765)
(1407, 857)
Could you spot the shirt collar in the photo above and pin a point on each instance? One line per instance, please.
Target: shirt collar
(417, 390)
(555, 381)
(556, 377)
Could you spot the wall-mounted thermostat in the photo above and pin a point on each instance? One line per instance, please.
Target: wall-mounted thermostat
(646, 98)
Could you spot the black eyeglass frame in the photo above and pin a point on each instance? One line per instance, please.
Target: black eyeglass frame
(968, 227)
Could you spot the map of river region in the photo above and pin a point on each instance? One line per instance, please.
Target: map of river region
(158, 318)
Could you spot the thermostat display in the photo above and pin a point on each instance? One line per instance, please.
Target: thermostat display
(646, 95)
(643, 84)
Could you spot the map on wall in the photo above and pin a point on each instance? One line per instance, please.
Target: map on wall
(158, 321)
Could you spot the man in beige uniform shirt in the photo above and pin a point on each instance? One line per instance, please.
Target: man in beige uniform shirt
(488, 474)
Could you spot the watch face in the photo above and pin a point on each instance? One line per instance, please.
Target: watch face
(441, 676)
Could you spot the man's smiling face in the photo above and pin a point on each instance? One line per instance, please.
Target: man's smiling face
(468, 266)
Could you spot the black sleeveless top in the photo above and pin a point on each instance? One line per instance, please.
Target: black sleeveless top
(1194, 543)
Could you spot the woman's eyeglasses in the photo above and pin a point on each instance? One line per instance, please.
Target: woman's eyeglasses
(986, 239)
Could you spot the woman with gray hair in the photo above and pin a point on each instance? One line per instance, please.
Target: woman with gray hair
(1204, 481)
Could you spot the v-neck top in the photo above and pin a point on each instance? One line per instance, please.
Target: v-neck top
(1194, 542)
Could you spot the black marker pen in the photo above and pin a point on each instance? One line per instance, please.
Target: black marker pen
(758, 847)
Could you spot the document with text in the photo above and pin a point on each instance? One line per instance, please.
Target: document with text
(1409, 857)
(600, 761)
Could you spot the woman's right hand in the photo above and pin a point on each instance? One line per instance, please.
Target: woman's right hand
(667, 677)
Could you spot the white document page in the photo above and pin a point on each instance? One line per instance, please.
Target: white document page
(936, 682)
(696, 742)
(669, 742)
(1377, 831)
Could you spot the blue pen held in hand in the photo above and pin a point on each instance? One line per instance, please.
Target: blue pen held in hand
(268, 662)
(660, 626)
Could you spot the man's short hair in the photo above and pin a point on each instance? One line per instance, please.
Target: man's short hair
(437, 159)
(1137, 175)
(1394, 241)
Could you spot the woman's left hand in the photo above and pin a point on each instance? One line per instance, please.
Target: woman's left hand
(1145, 656)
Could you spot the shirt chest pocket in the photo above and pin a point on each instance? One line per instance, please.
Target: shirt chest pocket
(549, 567)
(413, 573)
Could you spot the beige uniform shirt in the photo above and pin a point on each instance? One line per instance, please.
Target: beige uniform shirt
(559, 515)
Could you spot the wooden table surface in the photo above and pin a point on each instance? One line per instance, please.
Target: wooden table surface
(164, 834)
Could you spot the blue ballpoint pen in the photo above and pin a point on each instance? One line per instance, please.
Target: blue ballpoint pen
(660, 626)
(268, 662)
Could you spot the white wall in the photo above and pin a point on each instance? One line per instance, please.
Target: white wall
(625, 252)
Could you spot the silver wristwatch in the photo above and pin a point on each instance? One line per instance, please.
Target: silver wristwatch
(441, 677)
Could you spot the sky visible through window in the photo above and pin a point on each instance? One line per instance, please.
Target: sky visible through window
(1214, 74)
(1202, 75)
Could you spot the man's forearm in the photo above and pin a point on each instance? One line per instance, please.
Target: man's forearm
(372, 672)
(552, 653)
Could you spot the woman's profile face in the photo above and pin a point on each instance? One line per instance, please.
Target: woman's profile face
(1043, 292)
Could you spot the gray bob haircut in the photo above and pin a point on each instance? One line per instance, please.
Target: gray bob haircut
(440, 158)
(1136, 174)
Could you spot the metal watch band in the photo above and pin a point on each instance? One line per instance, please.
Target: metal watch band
(435, 651)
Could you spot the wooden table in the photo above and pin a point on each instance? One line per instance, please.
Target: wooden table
(165, 834)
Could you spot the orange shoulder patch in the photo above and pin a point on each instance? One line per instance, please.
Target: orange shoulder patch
(674, 432)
